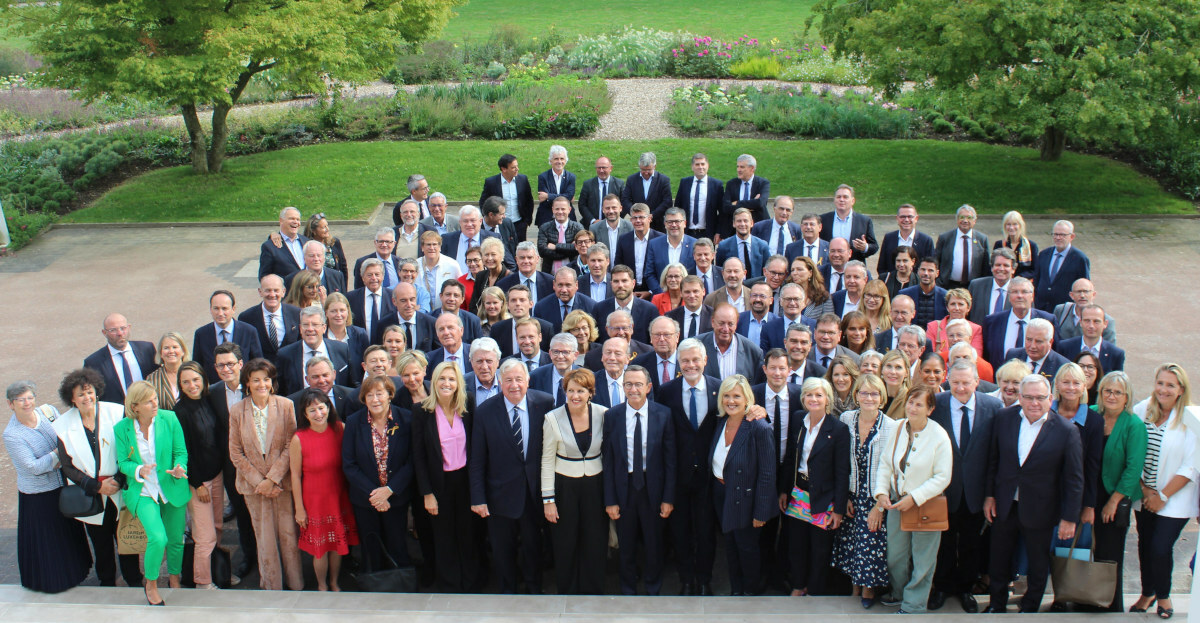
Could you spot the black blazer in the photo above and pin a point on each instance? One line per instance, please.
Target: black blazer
(204, 341)
(1052, 292)
(1050, 481)
(481, 278)
(712, 203)
(502, 332)
(358, 282)
(273, 260)
(759, 186)
(659, 198)
(947, 243)
(427, 450)
(545, 182)
(291, 327)
(627, 256)
(643, 313)
(542, 281)
(101, 361)
(358, 309)
(1091, 437)
(749, 476)
(289, 363)
(890, 248)
(590, 199)
(794, 416)
(491, 188)
(500, 476)
(693, 469)
(660, 456)
(1049, 366)
(507, 232)
(426, 334)
(345, 401)
(677, 315)
(358, 458)
(828, 464)
(550, 308)
(357, 342)
(970, 464)
(860, 225)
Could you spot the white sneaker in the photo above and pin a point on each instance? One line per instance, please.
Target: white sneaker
(207, 587)
(234, 580)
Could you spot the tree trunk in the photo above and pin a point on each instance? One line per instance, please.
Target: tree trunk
(220, 134)
(196, 136)
(1054, 140)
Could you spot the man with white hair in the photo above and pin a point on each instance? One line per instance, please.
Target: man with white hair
(962, 252)
(850, 298)
(553, 183)
(408, 231)
(292, 360)
(385, 246)
(911, 341)
(983, 369)
(418, 193)
(1059, 267)
(277, 322)
(288, 258)
(617, 324)
(563, 350)
(647, 186)
(314, 262)
(1005, 330)
(747, 190)
(1038, 351)
(470, 234)
(540, 284)
(481, 381)
(438, 220)
(781, 231)
(902, 313)
(449, 331)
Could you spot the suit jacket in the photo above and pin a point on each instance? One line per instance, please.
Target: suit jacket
(604, 394)
(1049, 293)
(1111, 357)
(345, 401)
(1049, 366)
(970, 463)
(507, 232)
(718, 280)
(423, 207)
(472, 329)
(393, 258)
(1050, 480)
(358, 457)
(450, 245)
(811, 369)
(273, 260)
(548, 234)
(591, 200)
(995, 326)
(773, 335)
(939, 299)
(749, 475)
(743, 325)
(358, 309)
(449, 220)
(254, 463)
(492, 188)
(660, 459)
(643, 313)
(890, 248)
(981, 296)
(545, 182)
(1065, 327)
(839, 302)
(438, 355)
(600, 228)
(550, 309)
(542, 379)
(101, 361)
(592, 361)
(426, 335)
(649, 361)
(542, 281)
(749, 357)
(169, 451)
(501, 476)
(290, 365)
(291, 328)
(658, 257)
(502, 332)
(628, 256)
(204, 341)
(828, 464)
(764, 228)
(721, 295)
(794, 417)
(428, 459)
(860, 225)
(760, 190)
(659, 198)
(796, 249)
(693, 463)
(838, 350)
(731, 247)
(677, 315)
(715, 195)
(333, 280)
(947, 244)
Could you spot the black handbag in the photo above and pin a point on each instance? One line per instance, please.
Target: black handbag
(219, 564)
(74, 502)
(397, 579)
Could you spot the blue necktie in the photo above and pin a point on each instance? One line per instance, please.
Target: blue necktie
(695, 417)
(696, 206)
(745, 191)
(516, 430)
(389, 274)
(1020, 334)
(779, 243)
(126, 370)
(1054, 266)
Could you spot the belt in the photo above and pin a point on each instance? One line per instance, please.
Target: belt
(574, 458)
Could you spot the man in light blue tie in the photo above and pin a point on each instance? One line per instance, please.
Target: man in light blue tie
(1058, 268)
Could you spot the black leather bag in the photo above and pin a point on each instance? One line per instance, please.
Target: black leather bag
(397, 579)
(219, 563)
(74, 502)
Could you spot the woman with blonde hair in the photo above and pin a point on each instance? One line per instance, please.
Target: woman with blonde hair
(581, 324)
(672, 286)
(958, 305)
(410, 367)
(1008, 381)
(340, 327)
(1124, 458)
(877, 305)
(306, 290)
(493, 307)
(1014, 240)
(842, 376)
(172, 352)
(895, 372)
(493, 271)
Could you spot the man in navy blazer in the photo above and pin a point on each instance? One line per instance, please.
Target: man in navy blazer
(314, 262)
(528, 261)
(593, 191)
(647, 186)
(286, 317)
(1038, 352)
(1058, 268)
(469, 222)
(693, 316)
(566, 299)
(1006, 330)
(792, 302)
(452, 296)
(785, 412)
(810, 244)
(288, 258)
(495, 222)
(961, 554)
(291, 358)
(417, 325)
(371, 303)
(906, 221)
(861, 228)
(139, 355)
(505, 475)
(700, 197)
(224, 328)
(639, 479)
(660, 250)
(553, 183)
(747, 190)
(626, 252)
(950, 251)
(641, 310)
(1046, 473)
(926, 288)
(740, 241)
(781, 231)
(983, 289)
(520, 210)
(385, 244)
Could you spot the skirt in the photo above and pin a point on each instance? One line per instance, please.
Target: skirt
(52, 550)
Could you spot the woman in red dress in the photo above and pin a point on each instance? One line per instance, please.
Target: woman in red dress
(319, 488)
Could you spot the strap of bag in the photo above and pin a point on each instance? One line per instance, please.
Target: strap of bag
(903, 459)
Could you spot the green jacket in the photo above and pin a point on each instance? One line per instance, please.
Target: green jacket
(1124, 457)
(169, 451)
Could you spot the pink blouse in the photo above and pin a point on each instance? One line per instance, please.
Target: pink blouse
(454, 441)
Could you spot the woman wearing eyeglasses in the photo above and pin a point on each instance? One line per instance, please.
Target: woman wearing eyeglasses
(317, 228)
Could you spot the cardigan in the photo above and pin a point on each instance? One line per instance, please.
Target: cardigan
(882, 441)
(1124, 457)
(560, 452)
(929, 467)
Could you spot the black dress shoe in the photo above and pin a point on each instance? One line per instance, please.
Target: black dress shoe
(704, 589)
(937, 599)
(687, 589)
(737, 594)
(969, 604)
(1059, 606)
(994, 610)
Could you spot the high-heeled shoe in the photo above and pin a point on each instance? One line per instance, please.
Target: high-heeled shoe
(1165, 613)
(1135, 608)
(146, 590)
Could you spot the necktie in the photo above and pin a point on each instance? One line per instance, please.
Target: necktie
(562, 239)
(614, 395)
(696, 205)
(530, 365)
(999, 306)
(639, 472)
(560, 399)
(566, 310)
(272, 331)
(429, 279)
(1055, 265)
(966, 258)
(778, 420)
(693, 410)
(693, 320)
(779, 242)
(666, 378)
(453, 359)
(125, 369)
(529, 284)
(964, 429)
(408, 335)
(373, 321)
(516, 430)
(707, 284)
(603, 189)
(825, 361)
(746, 254)
(1033, 366)
(745, 191)
(389, 274)
(808, 251)
(795, 379)
(1020, 334)
(224, 336)
(471, 243)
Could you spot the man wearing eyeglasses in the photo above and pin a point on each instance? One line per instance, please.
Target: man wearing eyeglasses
(1058, 268)
(438, 220)
(385, 243)
(775, 273)
(121, 362)
(674, 248)
(906, 236)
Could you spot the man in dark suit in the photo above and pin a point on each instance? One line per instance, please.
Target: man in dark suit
(372, 303)
(966, 415)
(902, 313)
(314, 262)
(495, 222)
(597, 283)
(696, 422)
(594, 190)
(833, 269)
(782, 402)
(1058, 268)
(611, 227)
(693, 316)
(851, 297)
(513, 187)
(674, 248)
(121, 362)
(906, 235)
(704, 253)
(566, 299)
(553, 183)
(556, 237)
(385, 244)
(647, 186)
(529, 344)
(223, 328)
(780, 232)
(752, 321)
(288, 258)
(742, 245)
(451, 347)
(962, 252)
(810, 244)
(418, 192)
(929, 298)
(1038, 352)
(505, 475)
(639, 479)
(469, 234)
(527, 274)
(1006, 330)
(618, 324)
(633, 247)
(416, 324)
(1068, 317)
(1094, 324)
(519, 307)
(791, 298)
(291, 360)
(798, 342)
(452, 296)
(700, 197)
(563, 350)
(989, 295)
(826, 345)
(844, 222)
(728, 352)
(642, 311)
(1034, 483)
(747, 190)
(277, 323)
(662, 363)
(318, 373)
(222, 395)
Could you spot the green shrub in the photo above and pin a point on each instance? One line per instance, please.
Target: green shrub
(820, 66)
(436, 61)
(757, 67)
(630, 51)
(699, 57)
(24, 225)
(15, 61)
(941, 126)
(495, 69)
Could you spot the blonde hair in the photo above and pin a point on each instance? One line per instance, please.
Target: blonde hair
(896, 410)
(1012, 370)
(1154, 412)
(458, 400)
(817, 383)
(178, 338)
(410, 357)
(878, 288)
(139, 392)
(338, 297)
(295, 294)
(1071, 370)
(736, 381)
(1121, 380)
(1013, 216)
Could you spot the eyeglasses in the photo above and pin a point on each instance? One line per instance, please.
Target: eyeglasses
(120, 329)
(871, 395)
(385, 242)
(1108, 391)
(1041, 398)
(225, 366)
(560, 353)
(318, 216)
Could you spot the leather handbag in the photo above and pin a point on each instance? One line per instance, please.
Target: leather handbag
(1088, 582)
(934, 514)
(73, 502)
(397, 579)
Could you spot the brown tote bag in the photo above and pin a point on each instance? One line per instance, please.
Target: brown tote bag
(1088, 582)
(934, 514)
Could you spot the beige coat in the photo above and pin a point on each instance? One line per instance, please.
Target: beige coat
(252, 463)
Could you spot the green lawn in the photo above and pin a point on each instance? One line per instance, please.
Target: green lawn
(347, 180)
(729, 18)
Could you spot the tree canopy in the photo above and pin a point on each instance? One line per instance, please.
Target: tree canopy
(1112, 73)
(203, 53)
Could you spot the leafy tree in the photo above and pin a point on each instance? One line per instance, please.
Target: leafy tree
(1113, 73)
(198, 54)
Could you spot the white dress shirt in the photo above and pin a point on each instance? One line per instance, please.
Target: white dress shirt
(523, 413)
(782, 398)
(134, 369)
(1027, 435)
(810, 438)
(508, 190)
(150, 487)
(630, 423)
(1010, 334)
(778, 230)
(727, 361)
(276, 318)
(720, 453)
(997, 291)
(309, 353)
(697, 203)
(639, 254)
(959, 272)
(956, 416)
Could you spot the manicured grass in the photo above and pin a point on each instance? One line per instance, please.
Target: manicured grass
(347, 180)
(729, 18)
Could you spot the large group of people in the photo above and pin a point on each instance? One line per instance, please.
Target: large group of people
(658, 372)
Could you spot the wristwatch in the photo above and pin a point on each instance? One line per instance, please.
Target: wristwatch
(547, 500)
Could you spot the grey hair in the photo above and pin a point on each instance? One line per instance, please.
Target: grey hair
(568, 269)
(314, 242)
(913, 330)
(1041, 324)
(691, 343)
(19, 388)
(485, 345)
(283, 212)
(558, 149)
(598, 247)
(674, 323)
(703, 242)
(526, 245)
(1035, 378)
(967, 209)
(370, 263)
(469, 210)
(566, 339)
(967, 348)
(647, 159)
(1068, 224)
(433, 196)
(618, 313)
(964, 365)
(414, 181)
(855, 264)
(456, 317)
(958, 322)
(748, 159)
(408, 201)
(385, 230)
(313, 310)
(509, 364)
(316, 360)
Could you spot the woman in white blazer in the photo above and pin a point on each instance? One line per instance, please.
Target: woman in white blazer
(914, 469)
(573, 488)
(85, 447)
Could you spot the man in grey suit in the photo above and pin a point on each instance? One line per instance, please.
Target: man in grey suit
(1068, 316)
(989, 295)
(966, 416)
(611, 226)
(728, 352)
(593, 192)
(438, 220)
(962, 252)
